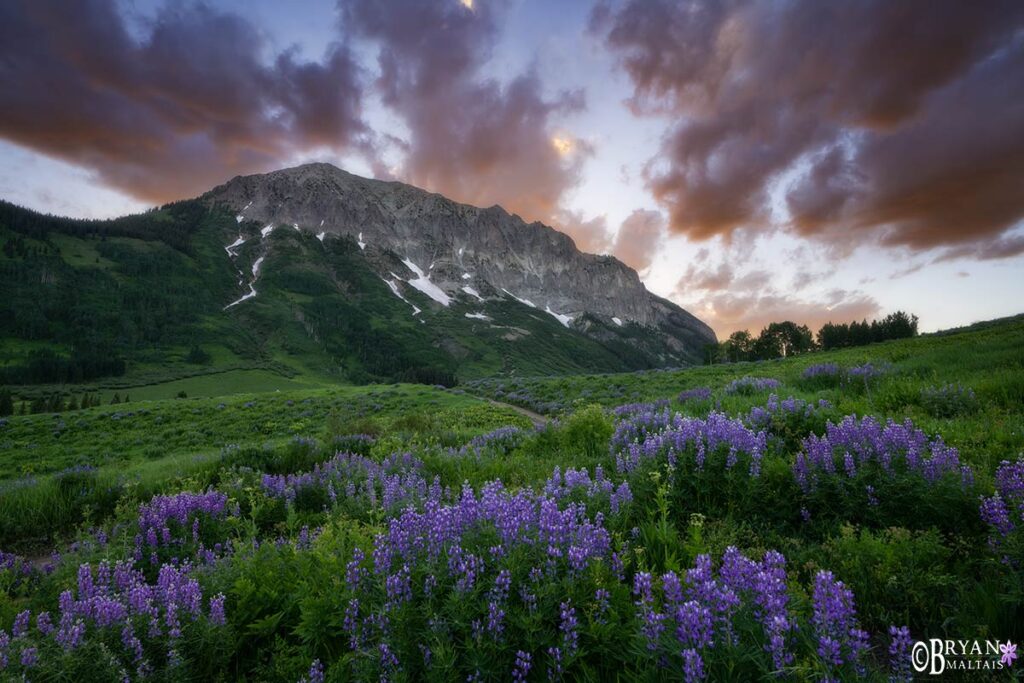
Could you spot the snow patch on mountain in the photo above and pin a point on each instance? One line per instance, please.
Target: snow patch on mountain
(394, 290)
(472, 292)
(564, 319)
(232, 248)
(423, 284)
(527, 302)
(250, 294)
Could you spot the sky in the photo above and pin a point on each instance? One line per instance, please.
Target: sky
(754, 161)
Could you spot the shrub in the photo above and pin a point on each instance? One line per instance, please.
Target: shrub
(695, 395)
(747, 386)
(863, 377)
(789, 420)
(949, 400)
(587, 432)
(821, 376)
(1003, 512)
(892, 474)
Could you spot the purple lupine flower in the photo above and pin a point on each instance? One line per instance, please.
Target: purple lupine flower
(398, 587)
(502, 584)
(70, 637)
(867, 372)
(353, 570)
(528, 598)
(696, 439)
(568, 626)
(776, 409)
(388, 659)
(835, 621)
(652, 626)
(698, 394)
(899, 654)
(855, 444)
(495, 619)
(556, 659)
(217, 617)
(316, 672)
(1003, 512)
(29, 657)
(351, 623)
(21, 624)
(693, 666)
(820, 370)
(44, 623)
(695, 625)
(601, 598)
(752, 385)
(132, 643)
(499, 442)
(522, 666)
(391, 484)
(632, 409)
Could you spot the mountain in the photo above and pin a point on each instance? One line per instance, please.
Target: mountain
(462, 246)
(312, 270)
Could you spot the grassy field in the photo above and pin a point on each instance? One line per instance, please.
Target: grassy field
(713, 530)
(989, 359)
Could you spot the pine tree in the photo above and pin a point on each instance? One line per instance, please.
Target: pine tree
(6, 403)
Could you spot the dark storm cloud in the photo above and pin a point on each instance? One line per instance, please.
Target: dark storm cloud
(470, 137)
(188, 105)
(904, 121)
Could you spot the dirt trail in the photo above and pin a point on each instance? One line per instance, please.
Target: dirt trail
(537, 419)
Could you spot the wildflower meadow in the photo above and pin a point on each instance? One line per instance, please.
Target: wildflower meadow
(805, 520)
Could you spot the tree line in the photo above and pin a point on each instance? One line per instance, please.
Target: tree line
(784, 339)
(172, 224)
(44, 366)
(52, 403)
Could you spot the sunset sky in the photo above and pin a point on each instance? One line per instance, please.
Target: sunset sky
(755, 161)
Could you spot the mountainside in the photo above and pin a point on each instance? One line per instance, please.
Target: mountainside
(314, 272)
(461, 250)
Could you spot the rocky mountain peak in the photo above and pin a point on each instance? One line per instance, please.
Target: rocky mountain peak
(449, 249)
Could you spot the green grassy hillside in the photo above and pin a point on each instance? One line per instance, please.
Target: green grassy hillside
(137, 304)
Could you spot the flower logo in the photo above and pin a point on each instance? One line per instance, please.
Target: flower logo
(1009, 651)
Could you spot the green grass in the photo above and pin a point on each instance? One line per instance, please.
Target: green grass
(80, 252)
(116, 435)
(217, 384)
(147, 446)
